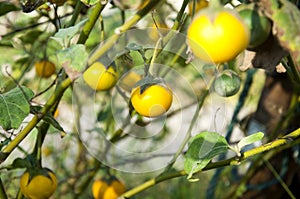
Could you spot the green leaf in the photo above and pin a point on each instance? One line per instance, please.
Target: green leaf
(68, 33)
(51, 120)
(250, 139)
(285, 16)
(6, 7)
(31, 36)
(14, 107)
(73, 60)
(22, 163)
(90, 2)
(202, 149)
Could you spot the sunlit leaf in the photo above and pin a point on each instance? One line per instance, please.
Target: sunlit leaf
(202, 149)
(67, 33)
(73, 60)
(14, 107)
(250, 139)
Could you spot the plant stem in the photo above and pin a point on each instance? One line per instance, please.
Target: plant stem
(277, 176)
(279, 144)
(126, 26)
(91, 22)
(189, 131)
(294, 69)
(75, 13)
(242, 98)
(36, 118)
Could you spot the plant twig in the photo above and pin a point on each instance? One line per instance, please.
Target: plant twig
(280, 144)
(36, 118)
(189, 131)
(126, 26)
(277, 176)
(91, 22)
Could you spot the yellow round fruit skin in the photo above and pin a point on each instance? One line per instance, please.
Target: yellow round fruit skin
(44, 68)
(200, 4)
(217, 36)
(129, 80)
(115, 189)
(99, 78)
(153, 102)
(101, 190)
(39, 187)
(98, 189)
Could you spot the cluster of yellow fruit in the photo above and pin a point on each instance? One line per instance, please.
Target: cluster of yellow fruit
(108, 189)
(153, 101)
(41, 183)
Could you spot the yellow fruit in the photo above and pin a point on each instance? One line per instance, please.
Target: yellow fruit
(98, 189)
(200, 4)
(217, 35)
(115, 189)
(99, 78)
(39, 186)
(44, 68)
(129, 80)
(110, 189)
(154, 101)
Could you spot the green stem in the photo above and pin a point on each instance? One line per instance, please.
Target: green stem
(91, 22)
(126, 26)
(75, 13)
(277, 176)
(39, 150)
(189, 131)
(279, 144)
(164, 40)
(2, 191)
(36, 118)
(294, 69)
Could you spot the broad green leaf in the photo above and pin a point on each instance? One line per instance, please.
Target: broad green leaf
(90, 2)
(6, 7)
(202, 149)
(250, 139)
(68, 33)
(51, 120)
(285, 16)
(14, 107)
(73, 60)
(53, 46)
